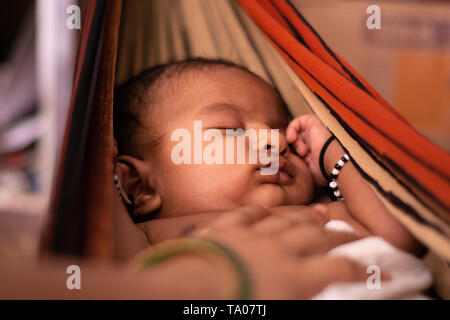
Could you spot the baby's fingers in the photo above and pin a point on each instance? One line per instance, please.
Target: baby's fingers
(295, 135)
(301, 148)
(339, 269)
(293, 130)
(330, 270)
(313, 274)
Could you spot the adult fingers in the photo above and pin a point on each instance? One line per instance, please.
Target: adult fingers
(243, 216)
(317, 214)
(317, 272)
(309, 239)
(283, 218)
(273, 225)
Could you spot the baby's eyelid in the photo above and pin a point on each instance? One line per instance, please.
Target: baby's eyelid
(233, 131)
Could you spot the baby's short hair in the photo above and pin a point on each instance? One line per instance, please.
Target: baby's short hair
(133, 98)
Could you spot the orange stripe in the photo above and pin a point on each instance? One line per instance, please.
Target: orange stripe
(362, 127)
(82, 43)
(432, 181)
(267, 5)
(353, 96)
(48, 235)
(367, 107)
(310, 38)
(318, 49)
(83, 39)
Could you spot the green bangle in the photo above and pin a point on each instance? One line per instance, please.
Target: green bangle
(173, 248)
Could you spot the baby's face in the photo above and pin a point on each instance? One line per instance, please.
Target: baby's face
(228, 98)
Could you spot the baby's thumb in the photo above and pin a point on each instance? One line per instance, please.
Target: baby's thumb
(301, 148)
(293, 130)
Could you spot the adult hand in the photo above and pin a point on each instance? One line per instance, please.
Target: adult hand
(284, 251)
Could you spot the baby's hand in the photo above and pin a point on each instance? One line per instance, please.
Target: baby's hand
(308, 134)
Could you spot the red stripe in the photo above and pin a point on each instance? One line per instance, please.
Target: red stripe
(319, 50)
(403, 134)
(308, 35)
(267, 5)
(83, 39)
(82, 44)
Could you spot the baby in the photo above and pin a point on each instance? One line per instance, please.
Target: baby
(176, 199)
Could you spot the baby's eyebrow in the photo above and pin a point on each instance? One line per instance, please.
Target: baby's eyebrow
(220, 106)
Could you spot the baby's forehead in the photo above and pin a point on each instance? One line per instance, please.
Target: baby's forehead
(193, 90)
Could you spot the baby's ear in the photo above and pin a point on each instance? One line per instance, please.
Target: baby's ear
(135, 176)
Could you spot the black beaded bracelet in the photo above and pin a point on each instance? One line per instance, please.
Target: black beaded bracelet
(334, 175)
(322, 156)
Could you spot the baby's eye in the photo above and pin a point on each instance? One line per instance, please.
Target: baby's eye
(234, 131)
(231, 131)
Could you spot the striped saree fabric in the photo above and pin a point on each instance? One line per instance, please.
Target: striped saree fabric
(271, 38)
(409, 173)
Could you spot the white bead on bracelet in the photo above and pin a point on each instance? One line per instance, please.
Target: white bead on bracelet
(334, 175)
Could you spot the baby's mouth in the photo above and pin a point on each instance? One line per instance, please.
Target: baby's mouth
(284, 176)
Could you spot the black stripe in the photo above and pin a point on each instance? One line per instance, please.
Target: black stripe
(131, 44)
(389, 195)
(70, 227)
(435, 170)
(408, 177)
(331, 52)
(297, 35)
(369, 150)
(77, 52)
(236, 13)
(397, 202)
(184, 36)
(348, 72)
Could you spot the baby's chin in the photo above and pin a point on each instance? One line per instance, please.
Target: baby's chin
(273, 195)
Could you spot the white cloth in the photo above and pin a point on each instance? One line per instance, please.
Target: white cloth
(409, 276)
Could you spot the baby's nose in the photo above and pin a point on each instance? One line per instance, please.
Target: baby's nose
(273, 140)
(279, 144)
(283, 144)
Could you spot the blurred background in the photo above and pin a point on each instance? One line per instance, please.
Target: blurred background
(36, 67)
(407, 61)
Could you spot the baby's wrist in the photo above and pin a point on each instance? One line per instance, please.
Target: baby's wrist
(333, 153)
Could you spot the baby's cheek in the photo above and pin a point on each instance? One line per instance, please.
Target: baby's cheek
(300, 166)
(303, 190)
(214, 187)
